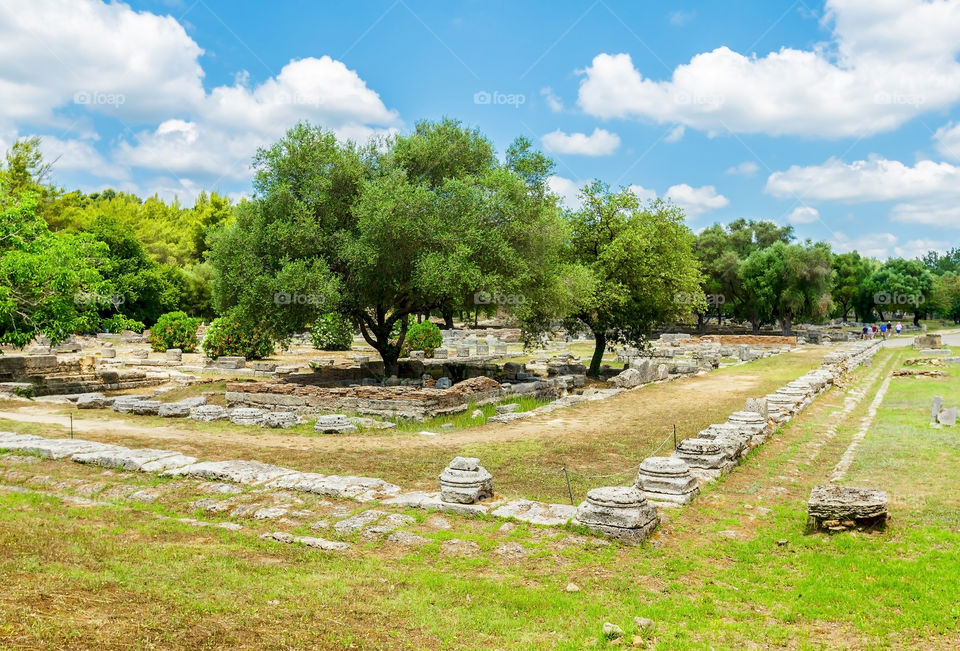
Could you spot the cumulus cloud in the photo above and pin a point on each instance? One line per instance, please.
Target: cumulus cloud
(884, 245)
(567, 189)
(746, 168)
(803, 215)
(599, 143)
(553, 100)
(105, 58)
(947, 140)
(696, 201)
(874, 75)
(925, 193)
(676, 134)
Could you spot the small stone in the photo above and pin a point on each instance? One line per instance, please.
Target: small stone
(444, 383)
(477, 413)
(782, 542)
(572, 587)
(643, 623)
(611, 631)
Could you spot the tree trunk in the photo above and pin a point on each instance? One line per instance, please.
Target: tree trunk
(701, 323)
(916, 319)
(756, 326)
(786, 322)
(599, 349)
(447, 319)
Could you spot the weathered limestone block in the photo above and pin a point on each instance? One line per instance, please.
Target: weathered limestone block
(441, 353)
(842, 503)
(463, 351)
(935, 411)
(227, 362)
(948, 417)
(54, 448)
(94, 401)
(280, 419)
(208, 413)
(418, 354)
(174, 410)
(371, 423)
(465, 481)
(141, 354)
(245, 415)
(108, 353)
(360, 360)
(240, 472)
(444, 383)
(334, 424)
(140, 459)
(537, 512)
(264, 367)
(174, 354)
(758, 406)
(707, 460)
(751, 423)
(144, 407)
(508, 408)
(628, 379)
(666, 480)
(500, 349)
(621, 512)
(483, 349)
(928, 341)
(734, 441)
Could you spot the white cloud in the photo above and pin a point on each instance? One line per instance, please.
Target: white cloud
(947, 140)
(681, 18)
(676, 134)
(642, 193)
(746, 168)
(599, 143)
(553, 100)
(78, 155)
(876, 73)
(105, 58)
(884, 245)
(696, 201)
(567, 189)
(926, 193)
(863, 181)
(803, 215)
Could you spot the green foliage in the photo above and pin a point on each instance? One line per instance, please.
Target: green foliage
(850, 273)
(634, 261)
(332, 331)
(45, 278)
(229, 335)
(900, 285)
(423, 336)
(120, 323)
(174, 330)
(421, 222)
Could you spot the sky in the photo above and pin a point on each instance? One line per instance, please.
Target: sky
(840, 118)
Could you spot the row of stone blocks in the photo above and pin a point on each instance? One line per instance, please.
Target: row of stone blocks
(629, 513)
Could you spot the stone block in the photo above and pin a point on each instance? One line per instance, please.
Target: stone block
(483, 349)
(174, 354)
(280, 419)
(948, 417)
(620, 512)
(759, 406)
(245, 415)
(208, 413)
(227, 362)
(334, 424)
(667, 480)
(108, 353)
(264, 367)
(444, 383)
(934, 411)
(847, 503)
(93, 401)
(465, 481)
(463, 351)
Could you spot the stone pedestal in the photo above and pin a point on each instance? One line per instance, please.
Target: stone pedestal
(174, 354)
(620, 512)
(441, 353)
(483, 349)
(463, 351)
(758, 406)
(230, 362)
(843, 507)
(465, 481)
(707, 459)
(417, 354)
(334, 424)
(245, 416)
(208, 413)
(666, 480)
(751, 423)
(360, 360)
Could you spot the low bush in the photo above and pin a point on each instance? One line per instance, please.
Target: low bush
(228, 336)
(332, 332)
(120, 322)
(174, 330)
(424, 336)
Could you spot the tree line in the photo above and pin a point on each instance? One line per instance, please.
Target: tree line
(428, 223)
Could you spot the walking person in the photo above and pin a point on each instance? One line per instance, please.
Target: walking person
(899, 328)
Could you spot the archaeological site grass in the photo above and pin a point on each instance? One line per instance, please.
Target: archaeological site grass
(735, 569)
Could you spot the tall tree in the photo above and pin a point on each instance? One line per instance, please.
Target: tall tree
(638, 260)
(849, 280)
(903, 285)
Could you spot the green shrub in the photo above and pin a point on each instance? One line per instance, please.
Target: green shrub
(174, 330)
(227, 336)
(332, 332)
(120, 322)
(424, 336)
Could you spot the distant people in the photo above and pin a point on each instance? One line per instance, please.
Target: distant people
(899, 328)
(875, 330)
(883, 330)
(863, 333)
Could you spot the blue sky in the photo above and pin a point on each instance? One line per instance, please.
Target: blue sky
(839, 117)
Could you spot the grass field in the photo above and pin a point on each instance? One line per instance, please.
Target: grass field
(736, 569)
